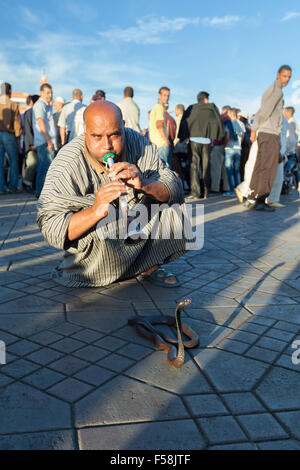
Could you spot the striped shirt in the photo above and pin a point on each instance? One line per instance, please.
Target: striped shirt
(71, 185)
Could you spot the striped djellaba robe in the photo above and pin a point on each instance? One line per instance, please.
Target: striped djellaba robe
(71, 185)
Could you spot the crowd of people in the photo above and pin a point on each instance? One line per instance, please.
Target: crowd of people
(208, 149)
(175, 160)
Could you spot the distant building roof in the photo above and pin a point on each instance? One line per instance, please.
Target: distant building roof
(20, 98)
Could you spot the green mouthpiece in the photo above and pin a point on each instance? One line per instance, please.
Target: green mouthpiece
(107, 156)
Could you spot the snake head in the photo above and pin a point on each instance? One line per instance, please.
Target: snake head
(184, 303)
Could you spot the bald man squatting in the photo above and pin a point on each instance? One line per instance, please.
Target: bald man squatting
(79, 190)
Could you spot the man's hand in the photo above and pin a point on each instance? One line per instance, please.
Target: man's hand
(83, 220)
(253, 136)
(50, 146)
(128, 173)
(106, 195)
(132, 177)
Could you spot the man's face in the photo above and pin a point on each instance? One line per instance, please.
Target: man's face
(164, 96)
(57, 105)
(287, 114)
(104, 134)
(46, 94)
(231, 115)
(284, 77)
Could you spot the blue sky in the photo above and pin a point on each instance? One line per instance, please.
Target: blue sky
(231, 49)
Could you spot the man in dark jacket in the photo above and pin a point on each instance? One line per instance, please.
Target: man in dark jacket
(201, 123)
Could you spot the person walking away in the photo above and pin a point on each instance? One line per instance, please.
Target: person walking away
(130, 110)
(66, 118)
(201, 123)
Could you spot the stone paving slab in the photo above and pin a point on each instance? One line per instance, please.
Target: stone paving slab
(161, 435)
(123, 400)
(78, 377)
(26, 409)
(49, 440)
(224, 370)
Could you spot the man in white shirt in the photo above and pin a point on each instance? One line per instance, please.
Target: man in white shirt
(130, 110)
(78, 121)
(44, 132)
(66, 118)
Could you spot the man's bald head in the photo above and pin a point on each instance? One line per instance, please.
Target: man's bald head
(77, 94)
(104, 129)
(101, 110)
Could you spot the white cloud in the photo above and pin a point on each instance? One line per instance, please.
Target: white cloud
(227, 20)
(48, 41)
(290, 15)
(152, 30)
(248, 104)
(148, 30)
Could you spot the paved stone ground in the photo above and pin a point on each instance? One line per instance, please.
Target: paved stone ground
(77, 377)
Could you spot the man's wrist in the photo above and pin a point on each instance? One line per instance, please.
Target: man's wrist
(98, 212)
(143, 187)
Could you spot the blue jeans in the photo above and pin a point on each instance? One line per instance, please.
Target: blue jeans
(45, 158)
(165, 154)
(232, 165)
(8, 144)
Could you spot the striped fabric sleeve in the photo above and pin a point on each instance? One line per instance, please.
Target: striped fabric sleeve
(62, 196)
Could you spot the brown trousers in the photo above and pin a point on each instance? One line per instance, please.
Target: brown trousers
(265, 168)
